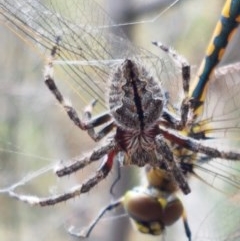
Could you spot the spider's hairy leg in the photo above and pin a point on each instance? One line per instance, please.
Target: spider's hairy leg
(78, 164)
(185, 68)
(87, 231)
(85, 187)
(96, 136)
(72, 113)
(88, 110)
(167, 158)
(195, 146)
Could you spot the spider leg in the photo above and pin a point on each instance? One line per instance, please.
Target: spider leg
(180, 60)
(72, 113)
(86, 232)
(186, 103)
(102, 133)
(79, 163)
(195, 146)
(86, 186)
(171, 165)
(169, 120)
(95, 122)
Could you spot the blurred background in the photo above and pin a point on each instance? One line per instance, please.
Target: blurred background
(35, 133)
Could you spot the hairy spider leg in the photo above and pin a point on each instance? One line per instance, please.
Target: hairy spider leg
(195, 146)
(179, 60)
(96, 136)
(72, 113)
(171, 165)
(224, 31)
(85, 187)
(186, 102)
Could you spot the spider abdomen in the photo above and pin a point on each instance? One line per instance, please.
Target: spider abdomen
(135, 98)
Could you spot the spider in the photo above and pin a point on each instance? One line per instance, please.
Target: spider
(143, 128)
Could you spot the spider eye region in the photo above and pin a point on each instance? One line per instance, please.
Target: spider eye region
(135, 98)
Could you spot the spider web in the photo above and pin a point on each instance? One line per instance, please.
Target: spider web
(93, 42)
(97, 73)
(42, 26)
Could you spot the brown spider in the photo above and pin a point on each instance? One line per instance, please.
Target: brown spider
(144, 128)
